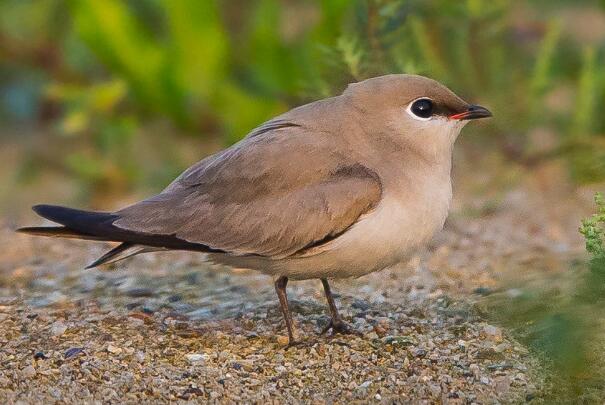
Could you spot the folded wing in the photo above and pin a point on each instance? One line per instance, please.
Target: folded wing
(254, 199)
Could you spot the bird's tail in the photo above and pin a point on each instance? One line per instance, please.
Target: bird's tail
(76, 223)
(100, 226)
(88, 225)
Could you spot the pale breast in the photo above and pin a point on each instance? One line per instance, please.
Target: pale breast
(401, 224)
(392, 232)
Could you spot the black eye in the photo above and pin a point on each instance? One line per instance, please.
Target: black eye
(422, 108)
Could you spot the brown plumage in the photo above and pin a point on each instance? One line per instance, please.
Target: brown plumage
(337, 188)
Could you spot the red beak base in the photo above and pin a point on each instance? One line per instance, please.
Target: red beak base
(472, 112)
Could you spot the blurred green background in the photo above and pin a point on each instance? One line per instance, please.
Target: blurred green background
(100, 100)
(121, 95)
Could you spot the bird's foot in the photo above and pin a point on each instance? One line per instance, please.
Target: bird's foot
(339, 327)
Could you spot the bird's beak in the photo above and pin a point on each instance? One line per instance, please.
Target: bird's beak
(471, 113)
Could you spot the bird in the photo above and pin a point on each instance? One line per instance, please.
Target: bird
(337, 188)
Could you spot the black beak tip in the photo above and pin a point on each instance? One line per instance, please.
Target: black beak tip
(476, 111)
(472, 112)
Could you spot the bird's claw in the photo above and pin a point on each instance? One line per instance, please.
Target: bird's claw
(339, 327)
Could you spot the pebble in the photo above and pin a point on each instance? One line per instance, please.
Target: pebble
(140, 292)
(74, 351)
(435, 389)
(136, 322)
(58, 328)
(40, 356)
(282, 340)
(382, 326)
(140, 357)
(419, 352)
(28, 372)
(474, 368)
(360, 304)
(399, 340)
(114, 349)
(195, 358)
(493, 333)
(502, 384)
(365, 384)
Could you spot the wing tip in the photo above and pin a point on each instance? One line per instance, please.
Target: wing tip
(111, 256)
(43, 209)
(41, 230)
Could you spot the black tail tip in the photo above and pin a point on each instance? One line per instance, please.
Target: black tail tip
(43, 209)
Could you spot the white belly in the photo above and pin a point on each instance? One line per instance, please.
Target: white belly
(392, 232)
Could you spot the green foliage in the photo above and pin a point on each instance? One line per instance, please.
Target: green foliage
(541, 76)
(593, 229)
(215, 68)
(184, 73)
(586, 151)
(563, 320)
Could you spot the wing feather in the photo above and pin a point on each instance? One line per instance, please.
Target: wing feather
(254, 199)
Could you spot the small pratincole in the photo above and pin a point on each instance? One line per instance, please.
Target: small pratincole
(340, 187)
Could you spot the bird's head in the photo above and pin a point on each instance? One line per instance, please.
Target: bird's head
(418, 111)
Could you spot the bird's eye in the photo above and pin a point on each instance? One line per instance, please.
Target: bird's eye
(422, 108)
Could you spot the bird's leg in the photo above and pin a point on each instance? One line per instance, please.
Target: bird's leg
(336, 323)
(280, 288)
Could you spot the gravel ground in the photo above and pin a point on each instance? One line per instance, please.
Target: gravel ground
(170, 328)
(118, 337)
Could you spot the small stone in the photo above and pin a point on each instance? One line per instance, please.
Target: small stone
(484, 380)
(175, 298)
(114, 349)
(40, 356)
(399, 340)
(58, 328)
(501, 347)
(140, 357)
(489, 354)
(435, 389)
(135, 322)
(502, 385)
(360, 304)
(53, 298)
(139, 292)
(493, 333)
(74, 351)
(195, 358)
(382, 326)
(377, 397)
(474, 368)
(28, 372)
(419, 352)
